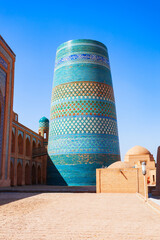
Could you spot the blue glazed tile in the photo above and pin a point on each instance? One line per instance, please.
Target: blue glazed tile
(83, 131)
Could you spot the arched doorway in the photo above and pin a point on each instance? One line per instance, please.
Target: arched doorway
(19, 174)
(27, 174)
(39, 175)
(12, 174)
(33, 174)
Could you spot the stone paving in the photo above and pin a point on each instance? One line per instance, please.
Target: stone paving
(67, 216)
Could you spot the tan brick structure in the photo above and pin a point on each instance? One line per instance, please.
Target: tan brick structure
(127, 177)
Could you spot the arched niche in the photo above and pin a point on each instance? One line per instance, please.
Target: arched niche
(28, 145)
(20, 142)
(19, 174)
(27, 174)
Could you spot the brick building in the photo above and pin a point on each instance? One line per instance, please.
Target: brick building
(127, 177)
(23, 152)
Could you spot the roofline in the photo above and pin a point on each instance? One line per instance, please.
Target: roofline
(7, 45)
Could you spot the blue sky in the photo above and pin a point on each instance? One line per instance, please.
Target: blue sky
(129, 29)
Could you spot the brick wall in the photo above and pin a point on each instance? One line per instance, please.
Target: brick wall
(129, 180)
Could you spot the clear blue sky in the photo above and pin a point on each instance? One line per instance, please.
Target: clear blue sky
(130, 30)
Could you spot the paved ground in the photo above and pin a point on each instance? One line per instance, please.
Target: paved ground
(52, 216)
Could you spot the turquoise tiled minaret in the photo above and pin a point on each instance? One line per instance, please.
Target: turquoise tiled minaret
(83, 132)
(44, 129)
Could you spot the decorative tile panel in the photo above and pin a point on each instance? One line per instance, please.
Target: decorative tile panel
(83, 89)
(83, 108)
(82, 58)
(82, 125)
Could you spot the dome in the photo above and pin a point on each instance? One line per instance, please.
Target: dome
(138, 150)
(44, 119)
(44, 122)
(120, 164)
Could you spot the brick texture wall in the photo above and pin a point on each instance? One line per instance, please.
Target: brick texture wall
(129, 180)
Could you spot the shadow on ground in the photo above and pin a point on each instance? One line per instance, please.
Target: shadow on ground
(8, 197)
(55, 184)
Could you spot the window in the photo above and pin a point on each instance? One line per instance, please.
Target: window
(45, 135)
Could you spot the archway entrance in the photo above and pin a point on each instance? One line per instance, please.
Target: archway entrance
(19, 174)
(27, 174)
(12, 174)
(33, 174)
(39, 175)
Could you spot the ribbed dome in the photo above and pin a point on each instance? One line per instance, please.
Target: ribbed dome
(120, 164)
(44, 119)
(138, 150)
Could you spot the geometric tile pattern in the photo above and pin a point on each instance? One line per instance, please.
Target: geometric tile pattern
(84, 125)
(43, 124)
(84, 143)
(89, 89)
(87, 58)
(83, 108)
(83, 115)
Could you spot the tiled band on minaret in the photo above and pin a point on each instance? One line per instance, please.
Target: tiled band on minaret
(83, 132)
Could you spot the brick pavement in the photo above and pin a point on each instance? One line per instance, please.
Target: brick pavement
(53, 216)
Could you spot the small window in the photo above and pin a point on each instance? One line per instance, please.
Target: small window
(45, 135)
(153, 178)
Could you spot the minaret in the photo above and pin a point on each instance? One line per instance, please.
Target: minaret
(83, 131)
(44, 129)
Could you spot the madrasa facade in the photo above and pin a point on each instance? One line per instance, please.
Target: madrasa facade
(81, 135)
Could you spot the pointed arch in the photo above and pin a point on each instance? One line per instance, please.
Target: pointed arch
(27, 174)
(39, 175)
(12, 173)
(34, 144)
(19, 174)
(33, 174)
